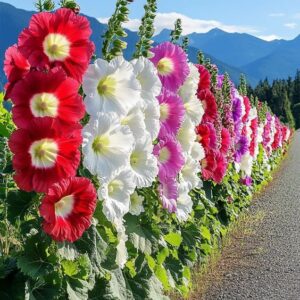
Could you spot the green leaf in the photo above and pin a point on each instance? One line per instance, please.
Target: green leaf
(205, 233)
(70, 267)
(3, 131)
(173, 239)
(162, 275)
(77, 289)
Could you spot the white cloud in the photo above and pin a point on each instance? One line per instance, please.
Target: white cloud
(189, 25)
(277, 15)
(291, 25)
(270, 37)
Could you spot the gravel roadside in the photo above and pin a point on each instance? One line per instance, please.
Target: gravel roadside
(266, 265)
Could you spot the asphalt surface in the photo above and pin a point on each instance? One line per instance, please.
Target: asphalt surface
(266, 265)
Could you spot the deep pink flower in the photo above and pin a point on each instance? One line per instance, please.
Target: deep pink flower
(168, 192)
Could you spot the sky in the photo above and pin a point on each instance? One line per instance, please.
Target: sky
(266, 19)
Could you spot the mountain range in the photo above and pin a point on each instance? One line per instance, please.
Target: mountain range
(234, 53)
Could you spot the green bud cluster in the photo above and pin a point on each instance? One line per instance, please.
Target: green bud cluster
(113, 45)
(243, 85)
(71, 4)
(200, 58)
(185, 44)
(44, 5)
(146, 30)
(176, 33)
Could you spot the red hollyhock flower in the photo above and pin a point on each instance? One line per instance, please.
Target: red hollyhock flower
(208, 165)
(221, 167)
(67, 208)
(44, 154)
(209, 104)
(58, 39)
(226, 141)
(52, 95)
(16, 66)
(204, 82)
(254, 129)
(207, 136)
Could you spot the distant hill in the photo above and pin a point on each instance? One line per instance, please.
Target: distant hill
(234, 53)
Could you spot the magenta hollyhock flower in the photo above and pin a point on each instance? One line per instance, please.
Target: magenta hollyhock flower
(247, 181)
(221, 167)
(237, 110)
(169, 156)
(168, 194)
(241, 148)
(172, 65)
(171, 113)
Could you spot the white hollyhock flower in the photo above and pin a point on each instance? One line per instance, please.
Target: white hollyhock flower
(143, 163)
(184, 204)
(246, 164)
(111, 87)
(189, 173)
(115, 193)
(106, 145)
(197, 151)
(122, 254)
(186, 135)
(136, 204)
(190, 86)
(194, 109)
(146, 73)
(135, 120)
(152, 118)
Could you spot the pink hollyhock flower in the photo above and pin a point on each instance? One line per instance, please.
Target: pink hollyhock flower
(44, 154)
(58, 39)
(209, 104)
(67, 208)
(247, 181)
(47, 95)
(172, 65)
(171, 113)
(225, 141)
(207, 136)
(169, 156)
(247, 105)
(168, 194)
(208, 165)
(221, 167)
(16, 66)
(254, 135)
(205, 77)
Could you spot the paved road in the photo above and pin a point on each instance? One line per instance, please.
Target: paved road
(267, 263)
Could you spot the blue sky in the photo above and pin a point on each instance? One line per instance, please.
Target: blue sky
(267, 19)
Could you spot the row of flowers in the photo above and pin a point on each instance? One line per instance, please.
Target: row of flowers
(162, 122)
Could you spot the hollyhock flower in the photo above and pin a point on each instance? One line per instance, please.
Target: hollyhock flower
(16, 66)
(44, 154)
(254, 137)
(209, 104)
(190, 86)
(186, 135)
(208, 165)
(197, 151)
(241, 148)
(189, 173)
(169, 156)
(122, 253)
(67, 208)
(152, 119)
(207, 136)
(111, 87)
(193, 110)
(143, 164)
(135, 120)
(247, 105)
(221, 167)
(47, 95)
(226, 141)
(168, 194)
(237, 109)
(246, 164)
(184, 204)
(146, 73)
(171, 113)
(247, 180)
(205, 77)
(58, 39)
(115, 193)
(136, 204)
(106, 145)
(171, 63)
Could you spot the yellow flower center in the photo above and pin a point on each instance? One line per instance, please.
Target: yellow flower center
(44, 105)
(64, 206)
(164, 155)
(134, 159)
(100, 144)
(114, 187)
(165, 66)
(43, 153)
(204, 163)
(107, 86)
(56, 46)
(164, 111)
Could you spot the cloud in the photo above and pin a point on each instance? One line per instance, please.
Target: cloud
(291, 25)
(276, 15)
(189, 25)
(296, 16)
(270, 37)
